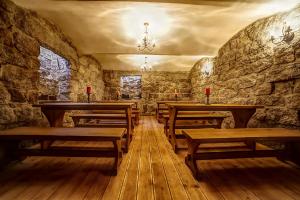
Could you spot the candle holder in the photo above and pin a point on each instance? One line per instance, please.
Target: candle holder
(207, 99)
(176, 97)
(89, 94)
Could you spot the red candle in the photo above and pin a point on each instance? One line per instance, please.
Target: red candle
(207, 91)
(88, 90)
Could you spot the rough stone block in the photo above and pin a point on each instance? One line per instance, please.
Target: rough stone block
(4, 94)
(24, 113)
(264, 89)
(18, 95)
(270, 100)
(25, 44)
(293, 101)
(284, 59)
(6, 37)
(283, 88)
(10, 56)
(7, 115)
(297, 86)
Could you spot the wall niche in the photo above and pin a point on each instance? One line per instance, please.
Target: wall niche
(131, 87)
(54, 76)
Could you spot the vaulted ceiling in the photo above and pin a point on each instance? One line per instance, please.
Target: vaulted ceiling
(184, 30)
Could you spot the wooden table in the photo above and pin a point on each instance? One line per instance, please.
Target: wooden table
(241, 113)
(55, 112)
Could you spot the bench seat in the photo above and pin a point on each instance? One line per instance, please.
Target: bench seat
(113, 135)
(196, 138)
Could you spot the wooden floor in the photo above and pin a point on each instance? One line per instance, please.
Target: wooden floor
(149, 171)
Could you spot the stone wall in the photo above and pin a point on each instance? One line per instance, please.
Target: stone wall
(155, 86)
(22, 32)
(89, 73)
(250, 69)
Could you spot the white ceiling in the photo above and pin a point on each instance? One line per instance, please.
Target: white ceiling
(183, 32)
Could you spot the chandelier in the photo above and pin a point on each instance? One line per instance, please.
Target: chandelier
(146, 43)
(145, 66)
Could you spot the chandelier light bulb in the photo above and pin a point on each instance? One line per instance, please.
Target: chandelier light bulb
(145, 66)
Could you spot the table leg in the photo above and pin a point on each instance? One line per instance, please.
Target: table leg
(242, 117)
(55, 119)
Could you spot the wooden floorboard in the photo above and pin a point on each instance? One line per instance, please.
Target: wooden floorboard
(150, 170)
(145, 183)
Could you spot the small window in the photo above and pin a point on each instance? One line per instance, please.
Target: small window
(131, 87)
(54, 76)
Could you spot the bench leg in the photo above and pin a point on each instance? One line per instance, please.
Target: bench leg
(190, 159)
(219, 123)
(76, 121)
(137, 119)
(172, 139)
(287, 152)
(166, 127)
(46, 144)
(118, 156)
(127, 143)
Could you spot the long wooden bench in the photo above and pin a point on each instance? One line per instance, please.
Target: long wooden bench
(135, 108)
(162, 108)
(192, 120)
(118, 120)
(110, 115)
(197, 138)
(186, 119)
(113, 135)
(103, 119)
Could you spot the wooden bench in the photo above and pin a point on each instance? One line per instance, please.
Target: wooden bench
(113, 135)
(192, 120)
(135, 108)
(185, 119)
(162, 108)
(199, 137)
(118, 120)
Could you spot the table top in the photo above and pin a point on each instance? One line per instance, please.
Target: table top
(225, 135)
(61, 133)
(162, 102)
(216, 107)
(84, 106)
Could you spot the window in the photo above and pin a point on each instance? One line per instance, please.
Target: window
(54, 75)
(131, 87)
